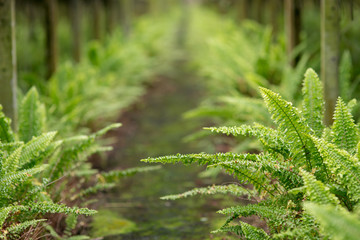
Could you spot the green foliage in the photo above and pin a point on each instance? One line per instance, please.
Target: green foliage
(307, 177)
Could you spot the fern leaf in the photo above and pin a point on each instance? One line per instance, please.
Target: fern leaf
(117, 174)
(245, 230)
(11, 163)
(269, 137)
(313, 102)
(33, 148)
(265, 212)
(291, 125)
(4, 213)
(345, 133)
(232, 189)
(18, 177)
(343, 167)
(336, 222)
(16, 229)
(48, 207)
(31, 116)
(6, 133)
(200, 158)
(106, 129)
(317, 191)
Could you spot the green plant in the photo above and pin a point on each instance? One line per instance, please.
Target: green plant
(302, 161)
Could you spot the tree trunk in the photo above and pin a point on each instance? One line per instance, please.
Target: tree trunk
(242, 9)
(111, 15)
(274, 19)
(8, 76)
(76, 16)
(330, 41)
(51, 39)
(292, 27)
(97, 9)
(126, 16)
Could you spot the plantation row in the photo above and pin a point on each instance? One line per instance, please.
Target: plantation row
(44, 167)
(304, 174)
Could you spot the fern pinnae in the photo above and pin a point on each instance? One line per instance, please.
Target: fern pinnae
(31, 116)
(346, 134)
(289, 122)
(11, 163)
(232, 189)
(313, 102)
(6, 133)
(317, 191)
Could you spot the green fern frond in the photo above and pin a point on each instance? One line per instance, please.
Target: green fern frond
(35, 147)
(313, 102)
(4, 213)
(48, 207)
(344, 168)
(200, 158)
(232, 189)
(269, 137)
(16, 229)
(92, 190)
(345, 133)
(11, 163)
(106, 129)
(317, 191)
(245, 230)
(31, 116)
(18, 177)
(71, 222)
(117, 174)
(338, 223)
(6, 133)
(291, 125)
(265, 212)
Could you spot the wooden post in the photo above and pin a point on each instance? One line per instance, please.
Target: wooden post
(76, 16)
(8, 76)
(51, 39)
(330, 41)
(292, 27)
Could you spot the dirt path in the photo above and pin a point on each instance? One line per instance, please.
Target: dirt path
(155, 127)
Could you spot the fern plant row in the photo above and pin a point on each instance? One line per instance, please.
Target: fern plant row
(306, 178)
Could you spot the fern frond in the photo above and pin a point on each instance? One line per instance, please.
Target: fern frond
(4, 213)
(265, 212)
(346, 135)
(344, 168)
(335, 222)
(313, 102)
(106, 129)
(317, 191)
(18, 177)
(269, 137)
(31, 116)
(200, 158)
(232, 189)
(6, 133)
(11, 163)
(291, 125)
(48, 207)
(35, 147)
(16, 229)
(117, 174)
(245, 230)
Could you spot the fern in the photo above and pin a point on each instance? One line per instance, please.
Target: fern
(346, 134)
(31, 116)
(313, 102)
(338, 223)
(232, 189)
(6, 133)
